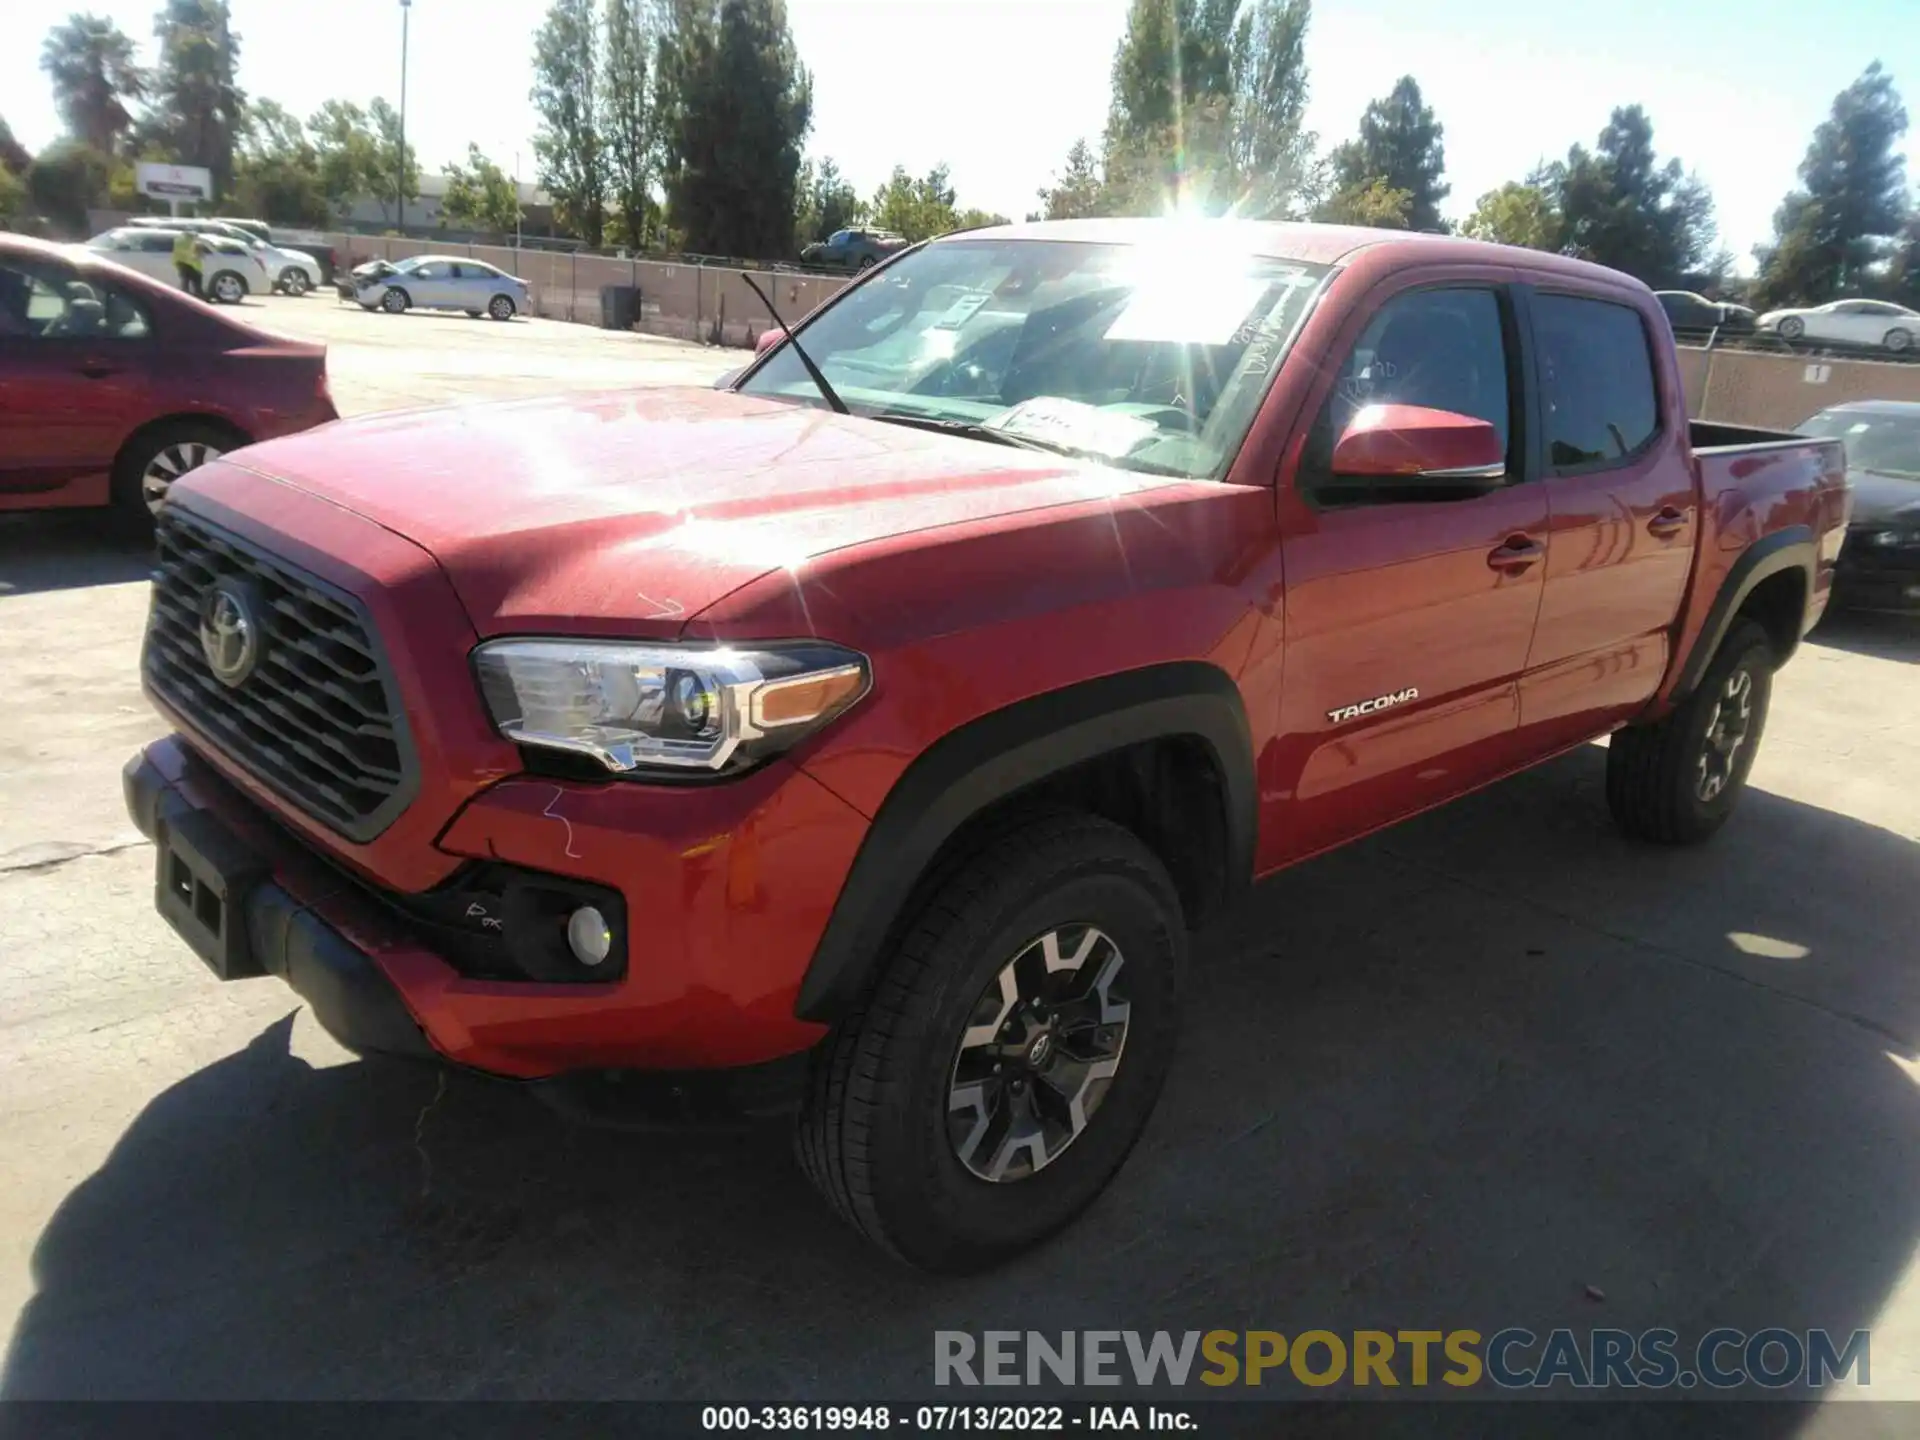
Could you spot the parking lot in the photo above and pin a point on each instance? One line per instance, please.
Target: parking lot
(1496, 1067)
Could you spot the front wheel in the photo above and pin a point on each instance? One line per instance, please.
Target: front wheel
(395, 302)
(295, 281)
(500, 308)
(227, 288)
(145, 471)
(1676, 782)
(996, 1076)
(1792, 328)
(1898, 341)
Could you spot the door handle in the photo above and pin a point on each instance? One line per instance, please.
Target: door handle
(1516, 554)
(1668, 523)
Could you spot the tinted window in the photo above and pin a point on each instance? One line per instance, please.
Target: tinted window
(49, 302)
(1596, 380)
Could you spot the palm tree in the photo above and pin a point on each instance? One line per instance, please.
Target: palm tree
(91, 63)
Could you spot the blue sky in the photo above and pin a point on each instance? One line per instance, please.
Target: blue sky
(1000, 88)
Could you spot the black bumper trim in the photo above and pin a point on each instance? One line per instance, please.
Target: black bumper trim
(341, 984)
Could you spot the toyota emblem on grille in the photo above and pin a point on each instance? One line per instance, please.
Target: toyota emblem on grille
(230, 631)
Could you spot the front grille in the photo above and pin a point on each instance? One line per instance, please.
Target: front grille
(316, 719)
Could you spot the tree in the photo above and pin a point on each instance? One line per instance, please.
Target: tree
(14, 157)
(1515, 214)
(825, 201)
(918, 208)
(198, 107)
(480, 195)
(90, 61)
(277, 170)
(974, 218)
(629, 116)
(566, 77)
(347, 153)
(1401, 143)
(394, 171)
(740, 105)
(1078, 190)
(1370, 202)
(1273, 151)
(67, 179)
(1852, 202)
(13, 194)
(1620, 207)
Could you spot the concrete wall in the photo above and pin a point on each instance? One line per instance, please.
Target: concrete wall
(1778, 392)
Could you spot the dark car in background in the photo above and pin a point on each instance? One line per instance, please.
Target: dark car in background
(1696, 317)
(1880, 565)
(112, 385)
(854, 249)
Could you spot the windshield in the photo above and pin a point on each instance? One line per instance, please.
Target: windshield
(1146, 360)
(1889, 444)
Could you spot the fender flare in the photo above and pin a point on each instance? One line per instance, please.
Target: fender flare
(988, 759)
(1787, 549)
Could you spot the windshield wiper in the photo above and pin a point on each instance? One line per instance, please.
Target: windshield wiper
(974, 431)
(834, 402)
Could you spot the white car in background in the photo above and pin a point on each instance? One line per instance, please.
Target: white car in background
(293, 271)
(229, 270)
(1873, 324)
(443, 282)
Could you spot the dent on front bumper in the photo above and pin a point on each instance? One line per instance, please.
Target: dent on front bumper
(727, 890)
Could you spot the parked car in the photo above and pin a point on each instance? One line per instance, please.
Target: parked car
(310, 243)
(873, 745)
(854, 249)
(293, 272)
(230, 271)
(113, 385)
(1696, 317)
(1880, 566)
(1870, 324)
(441, 282)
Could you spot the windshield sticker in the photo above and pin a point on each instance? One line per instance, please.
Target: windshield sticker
(1076, 425)
(1185, 313)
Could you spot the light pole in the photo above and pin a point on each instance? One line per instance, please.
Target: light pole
(400, 166)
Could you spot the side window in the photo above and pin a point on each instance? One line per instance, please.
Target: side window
(51, 303)
(154, 242)
(1442, 349)
(435, 271)
(1596, 381)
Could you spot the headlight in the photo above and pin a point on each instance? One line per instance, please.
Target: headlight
(633, 706)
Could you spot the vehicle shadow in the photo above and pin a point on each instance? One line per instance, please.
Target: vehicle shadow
(1495, 1068)
(1884, 637)
(68, 550)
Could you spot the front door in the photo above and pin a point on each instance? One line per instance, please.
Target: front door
(1624, 518)
(1407, 622)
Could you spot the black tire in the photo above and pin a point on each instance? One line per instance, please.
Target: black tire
(1792, 328)
(1897, 340)
(475, 314)
(188, 438)
(866, 263)
(500, 308)
(294, 281)
(874, 1132)
(1657, 775)
(226, 288)
(395, 301)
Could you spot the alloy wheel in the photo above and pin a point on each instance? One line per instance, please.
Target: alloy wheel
(169, 465)
(501, 308)
(227, 289)
(1039, 1054)
(1727, 729)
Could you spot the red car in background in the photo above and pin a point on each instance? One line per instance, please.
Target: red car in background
(112, 386)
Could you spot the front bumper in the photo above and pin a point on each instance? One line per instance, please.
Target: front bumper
(1877, 577)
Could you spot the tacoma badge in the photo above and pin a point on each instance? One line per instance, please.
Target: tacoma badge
(1367, 707)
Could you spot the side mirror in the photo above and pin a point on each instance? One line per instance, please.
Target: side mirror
(768, 339)
(1430, 451)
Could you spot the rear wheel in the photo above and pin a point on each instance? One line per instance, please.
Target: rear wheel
(1898, 340)
(500, 307)
(227, 288)
(1792, 328)
(148, 467)
(1010, 1054)
(866, 263)
(1676, 782)
(395, 302)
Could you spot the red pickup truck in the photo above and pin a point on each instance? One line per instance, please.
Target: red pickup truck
(868, 736)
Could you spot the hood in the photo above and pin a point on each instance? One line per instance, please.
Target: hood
(1877, 497)
(631, 513)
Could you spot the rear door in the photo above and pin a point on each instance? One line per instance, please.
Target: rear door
(76, 358)
(1621, 494)
(1407, 621)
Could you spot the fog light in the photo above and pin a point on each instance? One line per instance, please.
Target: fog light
(589, 936)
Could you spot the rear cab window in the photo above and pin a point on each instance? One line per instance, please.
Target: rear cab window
(1598, 395)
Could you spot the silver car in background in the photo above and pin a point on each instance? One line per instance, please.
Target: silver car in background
(443, 282)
